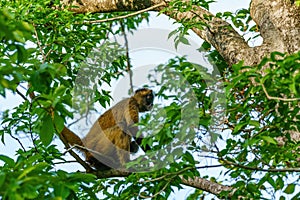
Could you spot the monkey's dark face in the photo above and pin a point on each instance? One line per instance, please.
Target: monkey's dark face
(145, 99)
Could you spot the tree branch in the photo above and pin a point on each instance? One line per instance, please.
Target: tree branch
(77, 158)
(102, 6)
(128, 68)
(126, 16)
(260, 169)
(195, 182)
(279, 24)
(230, 44)
(205, 185)
(277, 98)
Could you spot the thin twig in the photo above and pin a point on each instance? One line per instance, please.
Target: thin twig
(77, 158)
(65, 162)
(129, 71)
(17, 139)
(92, 151)
(125, 16)
(209, 166)
(260, 169)
(22, 95)
(168, 174)
(77, 120)
(39, 44)
(150, 197)
(277, 98)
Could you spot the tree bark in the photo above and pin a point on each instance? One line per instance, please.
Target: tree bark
(195, 182)
(279, 23)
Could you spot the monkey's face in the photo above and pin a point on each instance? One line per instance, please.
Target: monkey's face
(145, 99)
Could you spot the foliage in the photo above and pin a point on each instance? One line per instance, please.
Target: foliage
(32, 176)
(56, 61)
(263, 116)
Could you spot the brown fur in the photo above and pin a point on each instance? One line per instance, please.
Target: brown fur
(109, 139)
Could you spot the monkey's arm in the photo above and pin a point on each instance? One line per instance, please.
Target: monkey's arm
(134, 145)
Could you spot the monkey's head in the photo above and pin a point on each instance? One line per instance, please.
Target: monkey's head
(144, 98)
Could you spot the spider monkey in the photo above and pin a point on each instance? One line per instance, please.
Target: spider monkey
(109, 139)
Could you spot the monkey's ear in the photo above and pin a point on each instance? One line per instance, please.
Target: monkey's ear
(140, 90)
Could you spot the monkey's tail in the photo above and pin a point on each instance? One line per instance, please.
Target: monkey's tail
(70, 137)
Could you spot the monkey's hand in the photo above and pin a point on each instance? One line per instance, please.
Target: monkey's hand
(134, 147)
(139, 142)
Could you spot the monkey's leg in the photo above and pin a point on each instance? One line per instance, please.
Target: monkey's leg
(123, 148)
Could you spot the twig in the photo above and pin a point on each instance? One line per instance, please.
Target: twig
(125, 16)
(77, 120)
(166, 175)
(77, 158)
(22, 95)
(92, 151)
(39, 44)
(18, 142)
(260, 169)
(129, 71)
(65, 162)
(277, 98)
(209, 166)
(150, 197)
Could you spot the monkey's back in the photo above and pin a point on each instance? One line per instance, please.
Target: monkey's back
(123, 114)
(108, 138)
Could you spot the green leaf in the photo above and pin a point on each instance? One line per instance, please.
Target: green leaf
(58, 122)
(254, 123)
(184, 40)
(37, 167)
(252, 188)
(2, 178)
(290, 189)
(189, 157)
(61, 191)
(172, 33)
(206, 46)
(47, 130)
(9, 161)
(214, 137)
(238, 127)
(269, 139)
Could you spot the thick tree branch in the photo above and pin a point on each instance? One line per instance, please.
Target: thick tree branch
(205, 185)
(196, 182)
(218, 32)
(77, 158)
(279, 24)
(101, 6)
(278, 21)
(229, 43)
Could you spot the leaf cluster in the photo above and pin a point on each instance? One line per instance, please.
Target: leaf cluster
(32, 176)
(263, 118)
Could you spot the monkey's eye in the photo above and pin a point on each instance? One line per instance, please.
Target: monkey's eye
(149, 99)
